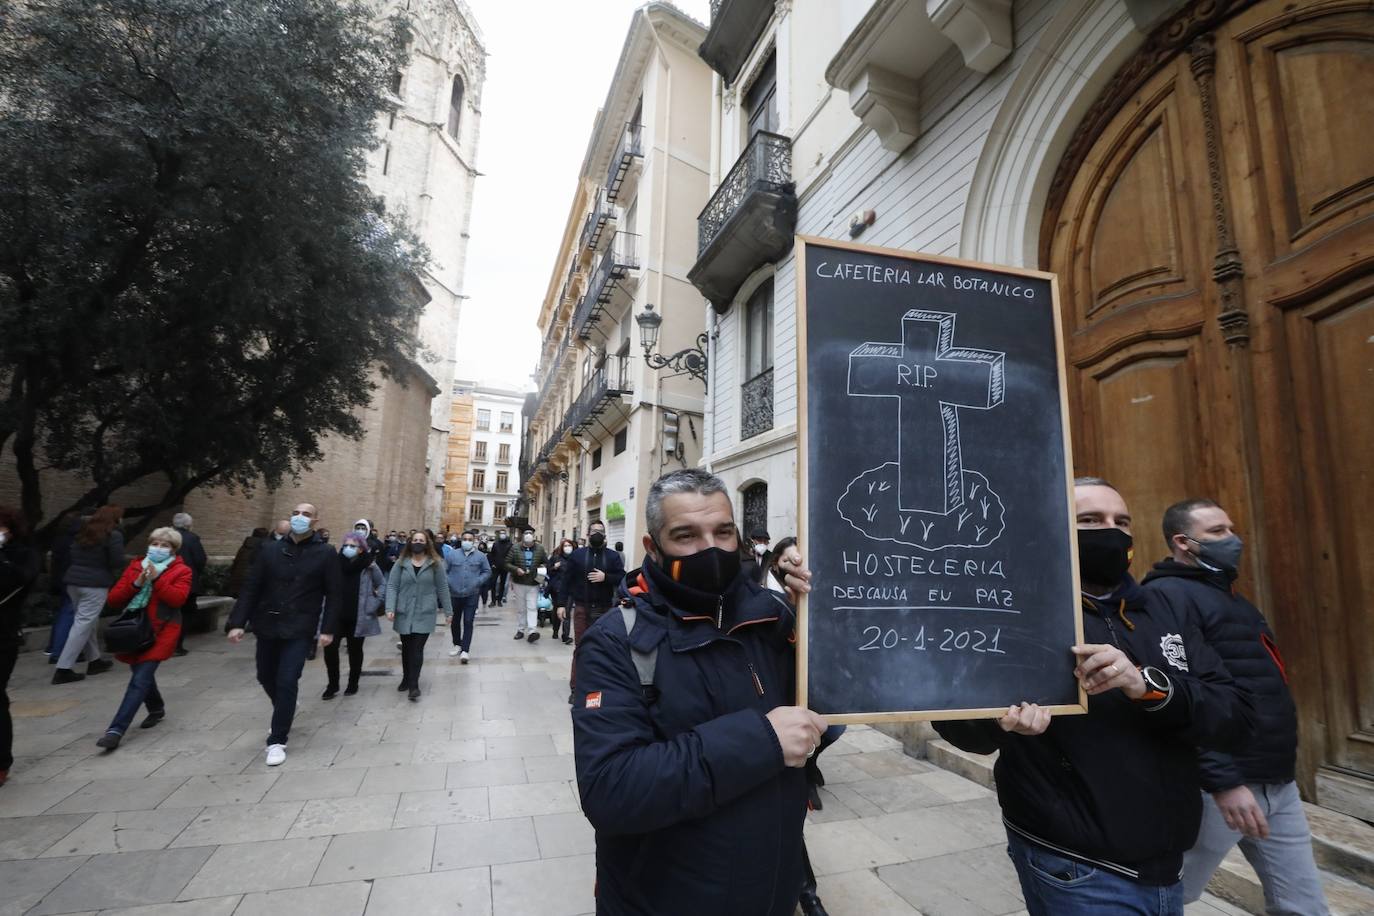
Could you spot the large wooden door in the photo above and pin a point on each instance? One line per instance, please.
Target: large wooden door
(1213, 228)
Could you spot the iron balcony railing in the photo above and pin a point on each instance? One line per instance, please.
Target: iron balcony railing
(601, 216)
(630, 148)
(621, 257)
(605, 385)
(756, 402)
(765, 165)
(550, 372)
(551, 443)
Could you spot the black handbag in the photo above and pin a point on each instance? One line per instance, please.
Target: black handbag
(130, 634)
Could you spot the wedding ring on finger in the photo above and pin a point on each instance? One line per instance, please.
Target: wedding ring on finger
(1112, 669)
(811, 753)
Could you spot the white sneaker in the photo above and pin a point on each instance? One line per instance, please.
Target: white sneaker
(453, 653)
(276, 754)
(463, 658)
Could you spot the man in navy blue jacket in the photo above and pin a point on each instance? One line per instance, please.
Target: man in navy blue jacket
(695, 781)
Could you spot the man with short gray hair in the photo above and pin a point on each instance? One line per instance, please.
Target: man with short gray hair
(689, 751)
(192, 553)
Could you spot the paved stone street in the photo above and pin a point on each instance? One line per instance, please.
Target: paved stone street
(461, 803)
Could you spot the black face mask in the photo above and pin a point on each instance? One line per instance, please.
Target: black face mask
(417, 548)
(711, 570)
(1104, 555)
(597, 540)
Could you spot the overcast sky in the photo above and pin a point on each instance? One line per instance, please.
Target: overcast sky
(550, 63)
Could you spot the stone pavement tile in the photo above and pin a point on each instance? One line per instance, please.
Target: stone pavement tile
(563, 744)
(533, 799)
(550, 769)
(244, 868)
(552, 887)
(124, 879)
(466, 891)
(240, 824)
(861, 893)
(953, 786)
(924, 833)
(378, 854)
(208, 763)
(376, 755)
(450, 712)
(23, 884)
(214, 906)
(118, 795)
(39, 769)
(123, 831)
(978, 882)
(417, 731)
(404, 777)
(443, 806)
(980, 818)
(832, 809)
(863, 739)
(127, 763)
(314, 757)
(855, 802)
(562, 835)
(483, 728)
(842, 770)
(485, 843)
(898, 793)
(348, 899)
(505, 772)
(882, 764)
(460, 751)
(356, 735)
(523, 746)
(27, 837)
(211, 791)
(304, 785)
(332, 816)
(37, 744)
(216, 739)
(845, 846)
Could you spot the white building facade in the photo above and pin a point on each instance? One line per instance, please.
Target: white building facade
(493, 457)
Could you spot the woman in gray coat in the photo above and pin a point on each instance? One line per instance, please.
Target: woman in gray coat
(97, 559)
(415, 590)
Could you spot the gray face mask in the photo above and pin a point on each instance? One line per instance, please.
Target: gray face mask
(1221, 555)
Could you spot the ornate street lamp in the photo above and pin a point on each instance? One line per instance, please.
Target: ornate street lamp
(690, 361)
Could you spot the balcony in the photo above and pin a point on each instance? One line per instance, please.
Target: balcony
(479, 458)
(736, 26)
(605, 387)
(601, 217)
(619, 260)
(748, 222)
(625, 156)
(756, 405)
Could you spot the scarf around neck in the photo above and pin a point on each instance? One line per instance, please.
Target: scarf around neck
(146, 592)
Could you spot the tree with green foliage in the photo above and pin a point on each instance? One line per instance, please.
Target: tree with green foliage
(195, 280)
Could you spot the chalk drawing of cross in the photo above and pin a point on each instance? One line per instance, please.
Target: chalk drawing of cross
(931, 380)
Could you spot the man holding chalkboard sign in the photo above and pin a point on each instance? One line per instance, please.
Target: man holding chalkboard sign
(691, 757)
(1099, 809)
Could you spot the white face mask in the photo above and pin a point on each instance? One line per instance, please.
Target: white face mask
(350, 551)
(3, 538)
(528, 539)
(760, 549)
(567, 550)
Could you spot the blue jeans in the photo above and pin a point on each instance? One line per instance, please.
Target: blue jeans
(1056, 886)
(61, 625)
(142, 689)
(280, 663)
(464, 619)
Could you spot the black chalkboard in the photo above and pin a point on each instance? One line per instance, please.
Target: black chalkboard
(935, 485)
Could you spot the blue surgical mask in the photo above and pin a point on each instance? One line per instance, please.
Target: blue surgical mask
(159, 554)
(469, 546)
(300, 524)
(350, 551)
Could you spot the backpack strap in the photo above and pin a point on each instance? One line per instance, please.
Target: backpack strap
(646, 663)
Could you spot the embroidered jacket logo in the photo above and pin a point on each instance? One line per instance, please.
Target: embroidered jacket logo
(1174, 653)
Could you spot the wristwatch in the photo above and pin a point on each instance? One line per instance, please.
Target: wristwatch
(1158, 688)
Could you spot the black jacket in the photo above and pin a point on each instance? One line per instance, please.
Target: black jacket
(1238, 633)
(694, 810)
(286, 588)
(1118, 788)
(192, 553)
(573, 586)
(497, 552)
(18, 570)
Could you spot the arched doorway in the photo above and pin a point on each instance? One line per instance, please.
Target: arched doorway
(1212, 223)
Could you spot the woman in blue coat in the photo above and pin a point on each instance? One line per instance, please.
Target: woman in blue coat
(415, 590)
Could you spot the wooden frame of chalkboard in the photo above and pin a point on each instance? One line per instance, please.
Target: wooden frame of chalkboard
(1071, 697)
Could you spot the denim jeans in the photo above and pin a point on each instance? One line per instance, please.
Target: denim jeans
(1283, 860)
(61, 625)
(464, 619)
(142, 689)
(1057, 886)
(280, 662)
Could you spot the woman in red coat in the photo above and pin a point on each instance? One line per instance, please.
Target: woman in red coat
(159, 583)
